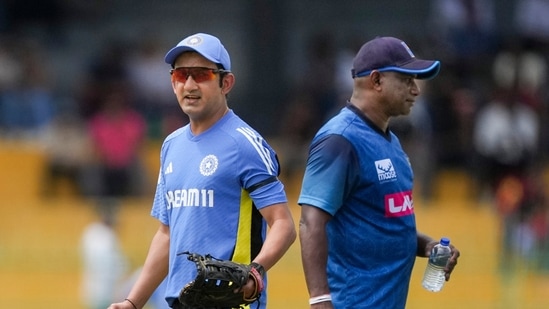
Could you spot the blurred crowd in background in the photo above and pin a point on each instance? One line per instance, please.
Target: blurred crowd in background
(92, 101)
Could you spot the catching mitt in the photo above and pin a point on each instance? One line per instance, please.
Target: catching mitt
(219, 283)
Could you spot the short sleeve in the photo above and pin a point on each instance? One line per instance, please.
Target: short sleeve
(331, 169)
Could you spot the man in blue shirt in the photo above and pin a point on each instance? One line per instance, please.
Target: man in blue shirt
(218, 192)
(357, 229)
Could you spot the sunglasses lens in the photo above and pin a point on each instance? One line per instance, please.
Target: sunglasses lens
(179, 75)
(199, 75)
(202, 75)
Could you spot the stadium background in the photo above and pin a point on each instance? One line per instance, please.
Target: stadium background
(39, 238)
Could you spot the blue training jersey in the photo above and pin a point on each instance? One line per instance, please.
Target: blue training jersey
(209, 190)
(362, 177)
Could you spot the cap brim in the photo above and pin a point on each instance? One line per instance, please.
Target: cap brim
(178, 50)
(423, 69)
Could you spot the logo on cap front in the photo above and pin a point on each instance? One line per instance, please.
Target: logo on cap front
(195, 40)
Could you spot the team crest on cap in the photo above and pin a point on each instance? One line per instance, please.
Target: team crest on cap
(408, 49)
(208, 165)
(195, 40)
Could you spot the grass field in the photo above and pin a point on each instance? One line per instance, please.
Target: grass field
(40, 266)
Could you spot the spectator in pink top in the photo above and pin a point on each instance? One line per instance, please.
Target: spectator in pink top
(117, 133)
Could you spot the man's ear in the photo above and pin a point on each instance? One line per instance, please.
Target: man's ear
(376, 78)
(227, 83)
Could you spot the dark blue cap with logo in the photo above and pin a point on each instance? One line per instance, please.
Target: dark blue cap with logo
(391, 54)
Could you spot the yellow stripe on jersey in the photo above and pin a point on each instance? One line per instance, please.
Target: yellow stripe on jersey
(242, 250)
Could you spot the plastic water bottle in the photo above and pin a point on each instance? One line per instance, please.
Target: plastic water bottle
(434, 279)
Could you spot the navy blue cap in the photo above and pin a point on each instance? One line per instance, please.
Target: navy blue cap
(205, 44)
(392, 54)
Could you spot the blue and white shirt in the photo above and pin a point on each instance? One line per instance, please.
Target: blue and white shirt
(209, 190)
(362, 177)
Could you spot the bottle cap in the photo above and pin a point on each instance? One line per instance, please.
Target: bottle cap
(444, 241)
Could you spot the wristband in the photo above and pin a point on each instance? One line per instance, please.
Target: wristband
(320, 299)
(258, 278)
(259, 268)
(131, 302)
